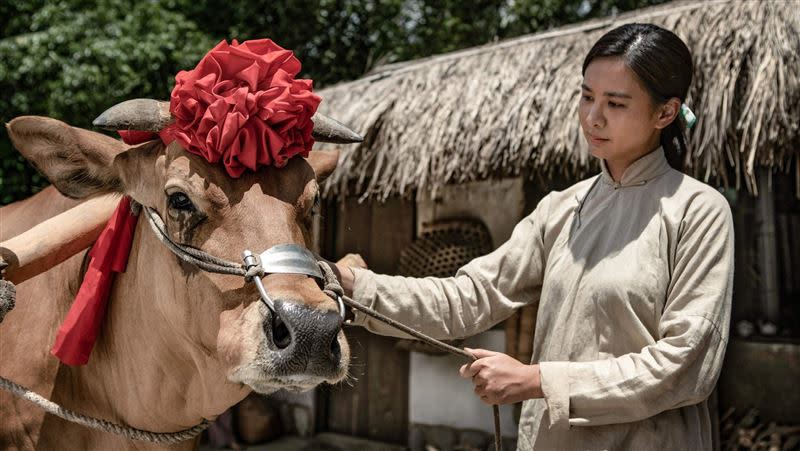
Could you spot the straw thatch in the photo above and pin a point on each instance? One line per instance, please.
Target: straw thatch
(510, 108)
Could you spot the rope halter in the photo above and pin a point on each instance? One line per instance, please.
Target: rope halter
(278, 259)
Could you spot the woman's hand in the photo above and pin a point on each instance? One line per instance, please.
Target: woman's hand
(502, 379)
(345, 274)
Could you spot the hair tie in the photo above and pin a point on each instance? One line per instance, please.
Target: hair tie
(688, 116)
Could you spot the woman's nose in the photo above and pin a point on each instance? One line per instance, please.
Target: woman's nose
(595, 117)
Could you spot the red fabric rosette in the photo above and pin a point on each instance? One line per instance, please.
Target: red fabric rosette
(242, 105)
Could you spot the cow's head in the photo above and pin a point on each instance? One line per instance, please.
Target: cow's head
(299, 346)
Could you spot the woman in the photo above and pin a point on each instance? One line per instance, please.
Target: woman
(631, 270)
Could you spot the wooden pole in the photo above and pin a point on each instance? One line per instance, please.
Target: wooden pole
(51, 242)
(767, 247)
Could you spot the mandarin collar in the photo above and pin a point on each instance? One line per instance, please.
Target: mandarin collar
(640, 171)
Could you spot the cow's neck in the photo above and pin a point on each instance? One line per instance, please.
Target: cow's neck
(146, 371)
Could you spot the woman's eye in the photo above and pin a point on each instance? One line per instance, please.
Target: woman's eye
(586, 98)
(180, 201)
(615, 105)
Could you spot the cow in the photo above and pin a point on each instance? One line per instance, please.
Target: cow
(178, 345)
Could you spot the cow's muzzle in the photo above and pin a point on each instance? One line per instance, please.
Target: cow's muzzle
(303, 340)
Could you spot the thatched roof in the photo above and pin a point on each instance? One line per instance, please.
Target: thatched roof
(510, 108)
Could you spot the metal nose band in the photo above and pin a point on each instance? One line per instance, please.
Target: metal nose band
(284, 259)
(249, 262)
(290, 259)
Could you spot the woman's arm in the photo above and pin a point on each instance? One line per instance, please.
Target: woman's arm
(682, 367)
(483, 292)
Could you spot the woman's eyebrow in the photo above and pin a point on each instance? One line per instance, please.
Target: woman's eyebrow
(609, 93)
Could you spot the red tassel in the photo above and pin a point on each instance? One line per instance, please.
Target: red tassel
(78, 333)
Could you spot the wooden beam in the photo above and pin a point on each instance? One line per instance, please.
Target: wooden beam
(51, 242)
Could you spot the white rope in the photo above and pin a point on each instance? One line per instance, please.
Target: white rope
(101, 425)
(189, 254)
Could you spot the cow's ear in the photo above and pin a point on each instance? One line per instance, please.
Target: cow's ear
(76, 161)
(323, 162)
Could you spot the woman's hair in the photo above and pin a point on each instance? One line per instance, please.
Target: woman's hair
(664, 65)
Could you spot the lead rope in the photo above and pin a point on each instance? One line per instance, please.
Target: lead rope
(191, 255)
(101, 425)
(334, 290)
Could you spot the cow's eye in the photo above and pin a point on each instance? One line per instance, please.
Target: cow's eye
(181, 202)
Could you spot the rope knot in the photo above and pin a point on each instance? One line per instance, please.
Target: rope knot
(332, 286)
(254, 271)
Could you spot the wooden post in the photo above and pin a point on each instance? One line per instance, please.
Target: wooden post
(767, 258)
(375, 404)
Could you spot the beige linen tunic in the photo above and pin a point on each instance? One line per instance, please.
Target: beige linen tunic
(633, 281)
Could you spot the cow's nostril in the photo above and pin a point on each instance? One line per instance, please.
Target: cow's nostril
(280, 333)
(336, 350)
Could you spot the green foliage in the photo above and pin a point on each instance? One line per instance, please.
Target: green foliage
(335, 39)
(72, 59)
(438, 26)
(529, 16)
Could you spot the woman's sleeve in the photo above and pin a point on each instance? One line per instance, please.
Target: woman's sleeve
(682, 367)
(483, 292)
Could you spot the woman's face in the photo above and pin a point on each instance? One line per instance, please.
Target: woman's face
(619, 119)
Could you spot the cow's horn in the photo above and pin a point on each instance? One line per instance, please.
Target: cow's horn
(330, 130)
(153, 115)
(145, 115)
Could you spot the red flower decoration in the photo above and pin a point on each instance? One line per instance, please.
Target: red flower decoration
(243, 106)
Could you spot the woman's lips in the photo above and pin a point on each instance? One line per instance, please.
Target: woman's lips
(596, 140)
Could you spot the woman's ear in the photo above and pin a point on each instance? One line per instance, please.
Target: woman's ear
(668, 112)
